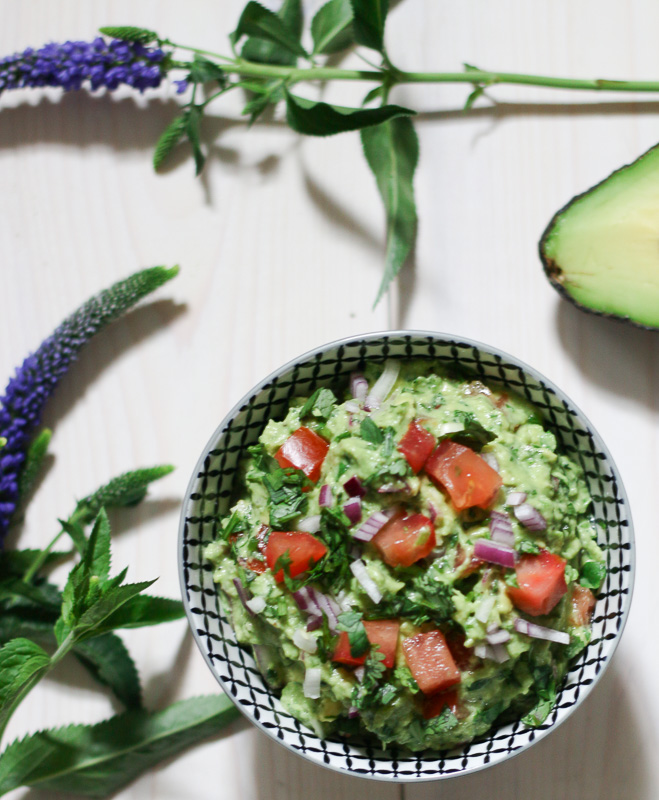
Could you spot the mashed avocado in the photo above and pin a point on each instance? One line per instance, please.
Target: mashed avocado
(414, 562)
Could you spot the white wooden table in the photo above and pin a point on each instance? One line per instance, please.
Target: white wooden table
(280, 245)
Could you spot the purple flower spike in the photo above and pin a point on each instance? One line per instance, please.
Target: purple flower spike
(72, 64)
(35, 380)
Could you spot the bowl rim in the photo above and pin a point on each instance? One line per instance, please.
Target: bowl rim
(373, 336)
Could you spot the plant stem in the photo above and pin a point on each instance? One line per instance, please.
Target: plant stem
(476, 77)
(40, 560)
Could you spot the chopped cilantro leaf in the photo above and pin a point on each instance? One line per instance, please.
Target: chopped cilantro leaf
(236, 524)
(545, 690)
(473, 435)
(426, 600)
(592, 574)
(320, 404)
(370, 432)
(368, 694)
(528, 547)
(351, 623)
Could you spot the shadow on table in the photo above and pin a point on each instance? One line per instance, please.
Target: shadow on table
(598, 753)
(614, 355)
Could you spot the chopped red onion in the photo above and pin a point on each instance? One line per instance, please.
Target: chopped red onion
(304, 641)
(516, 498)
(481, 650)
(316, 604)
(540, 632)
(497, 636)
(325, 496)
(373, 524)
(383, 385)
(352, 407)
(398, 486)
(353, 509)
(530, 517)
(358, 569)
(358, 386)
(353, 487)
(498, 653)
(491, 460)
(243, 595)
(314, 622)
(309, 524)
(495, 553)
(342, 597)
(432, 512)
(311, 686)
(501, 528)
(359, 673)
(353, 712)
(485, 608)
(256, 604)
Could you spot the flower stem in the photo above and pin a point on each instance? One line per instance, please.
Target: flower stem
(394, 76)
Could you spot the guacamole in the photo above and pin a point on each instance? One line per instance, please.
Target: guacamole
(410, 558)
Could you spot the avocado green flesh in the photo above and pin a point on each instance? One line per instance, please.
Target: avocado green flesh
(528, 461)
(602, 249)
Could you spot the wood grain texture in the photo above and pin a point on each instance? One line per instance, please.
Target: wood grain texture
(281, 245)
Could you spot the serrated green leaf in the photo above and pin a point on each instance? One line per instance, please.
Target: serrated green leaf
(203, 70)
(370, 17)
(14, 563)
(331, 27)
(392, 152)
(258, 21)
(21, 663)
(26, 622)
(321, 119)
(169, 138)
(256, 106)
(145, 609)
(108, 660)
(473, 96)
(97, 760)
(45, 595)
(268, 52)
(192, 126)
(34, 458)
(129, 33)
(97, 553)
(77, 534)
(94, 620)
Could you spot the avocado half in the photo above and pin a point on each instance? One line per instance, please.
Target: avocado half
(601, 250)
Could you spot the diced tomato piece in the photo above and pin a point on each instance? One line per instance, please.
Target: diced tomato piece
(582, 604)
(416, 445)
(304, 450)
(430, 662)
(469, 480)
(405, 539)
(541, 581)
(382, 632)
(253, 564)
(302, 548)
(434, 705)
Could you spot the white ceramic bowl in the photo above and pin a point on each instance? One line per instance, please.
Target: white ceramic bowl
(210, 492)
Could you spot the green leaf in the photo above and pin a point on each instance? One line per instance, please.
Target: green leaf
(320, 404)
(392, 152)
(169, 138)
(370, 432)
(77, 534)
(97, 760)
(97, 553)
(258, 21)
(351, 623)
(45, 595)
(14, 563)
(192, 125)
(331, 27)
(145, 609)
(203, 70)
(21, 662)
(265, 51)
(130, 33)
(321, 119)
(592, 574)
(474, 95)
(34, 458)
(369, 20)
(94, 620)
(108, 660)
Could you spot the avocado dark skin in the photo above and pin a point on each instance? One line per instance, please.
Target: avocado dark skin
(601, 250)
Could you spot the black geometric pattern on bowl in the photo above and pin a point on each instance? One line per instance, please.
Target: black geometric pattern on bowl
(210, 492)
